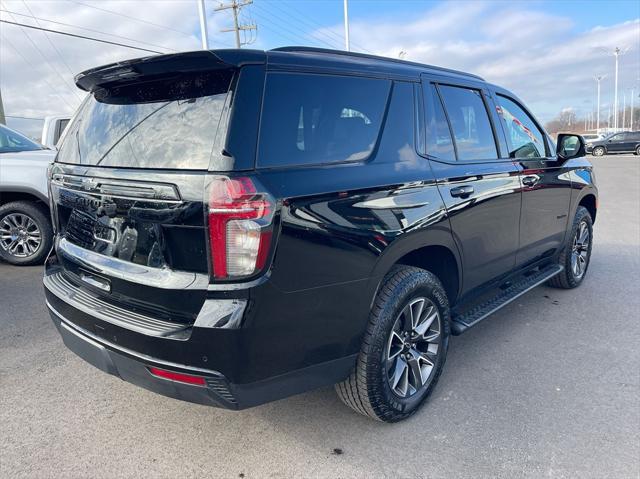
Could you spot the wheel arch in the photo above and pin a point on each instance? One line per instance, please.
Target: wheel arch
(590, 202)
(22, 194)
(433, 250)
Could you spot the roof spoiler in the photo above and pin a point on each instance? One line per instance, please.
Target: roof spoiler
(159, 65)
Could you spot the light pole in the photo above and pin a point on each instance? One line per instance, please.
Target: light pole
(616, 53)
(346, 26)
(203, 25)
(631, 122)
(598, 79)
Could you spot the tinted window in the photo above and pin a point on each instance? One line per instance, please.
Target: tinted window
(523, 136)
(618, 137)
(470, 123)
(397, 144)
(12, 141)
(314, 119)
(167, 124)
(438, 135)
(62, 124)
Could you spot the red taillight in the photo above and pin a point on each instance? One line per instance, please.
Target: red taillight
(239, 227)
(178, 377)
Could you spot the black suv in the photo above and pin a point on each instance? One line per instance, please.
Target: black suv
(625, 142)
(236, 226)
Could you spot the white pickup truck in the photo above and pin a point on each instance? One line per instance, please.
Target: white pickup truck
(25, 225)
(52, 130)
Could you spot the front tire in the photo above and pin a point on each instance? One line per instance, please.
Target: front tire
(576, 255)
(25, 233)
(599, 151)
(404, 347)
(637, 152)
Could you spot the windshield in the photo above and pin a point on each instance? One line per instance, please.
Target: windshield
(165, 124)
(12, 141)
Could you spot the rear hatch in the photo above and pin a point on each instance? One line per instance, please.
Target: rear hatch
(128, 184)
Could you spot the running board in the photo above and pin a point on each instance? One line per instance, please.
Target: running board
(470, 318)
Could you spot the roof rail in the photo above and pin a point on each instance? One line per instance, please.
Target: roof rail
(373, 57)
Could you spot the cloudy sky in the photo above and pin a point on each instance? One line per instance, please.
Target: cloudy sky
(546, 52)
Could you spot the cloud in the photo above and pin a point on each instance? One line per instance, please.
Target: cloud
(37, 84)
(543, 58)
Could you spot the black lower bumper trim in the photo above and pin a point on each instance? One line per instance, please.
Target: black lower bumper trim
(133, 367)
(135, 370)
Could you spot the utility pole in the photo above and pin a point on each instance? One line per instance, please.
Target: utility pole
(616, 53)
(346, 26)
(598, 79)
(235, 6)
(624, 109)
(204, 36)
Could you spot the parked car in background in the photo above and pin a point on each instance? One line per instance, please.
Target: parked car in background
(235, 226)
(25, 225)
(623, 142)
(591, 137)
(53, 129)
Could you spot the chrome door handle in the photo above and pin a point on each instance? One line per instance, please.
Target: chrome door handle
(530, 180)
(461, 191)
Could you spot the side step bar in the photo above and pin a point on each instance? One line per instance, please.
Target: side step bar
(473, 316)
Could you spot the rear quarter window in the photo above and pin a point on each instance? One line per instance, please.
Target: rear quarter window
(310, 119)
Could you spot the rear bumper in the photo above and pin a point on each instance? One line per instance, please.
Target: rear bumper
(134, 367)
(218, 391)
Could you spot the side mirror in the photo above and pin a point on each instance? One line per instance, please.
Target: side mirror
(570, 146)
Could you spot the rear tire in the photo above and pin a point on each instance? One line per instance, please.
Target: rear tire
(598, 151)
(399, 364)
(26, 235)
(576, 255)
(637, 152)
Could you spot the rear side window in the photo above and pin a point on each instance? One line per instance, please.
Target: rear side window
(470, 123)
(310, 119)
(438, 135)
(524, 138)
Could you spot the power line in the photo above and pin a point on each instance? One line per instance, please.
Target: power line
(288, 36)
(54, 47)
(286, 25)
(312, 24)
(31, 65)
(135, 19)
(89, 30)
(24, 117)
(81, 36)
(46, 61)
(319, 29)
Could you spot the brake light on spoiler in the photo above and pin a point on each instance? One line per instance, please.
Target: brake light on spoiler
(240, 225)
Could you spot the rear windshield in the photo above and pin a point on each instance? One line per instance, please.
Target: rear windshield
(310, 119)
(167, 124)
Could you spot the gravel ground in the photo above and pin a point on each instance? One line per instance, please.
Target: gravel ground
(547, 387)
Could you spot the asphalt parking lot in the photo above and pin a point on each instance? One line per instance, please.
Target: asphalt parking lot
(548, 387)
